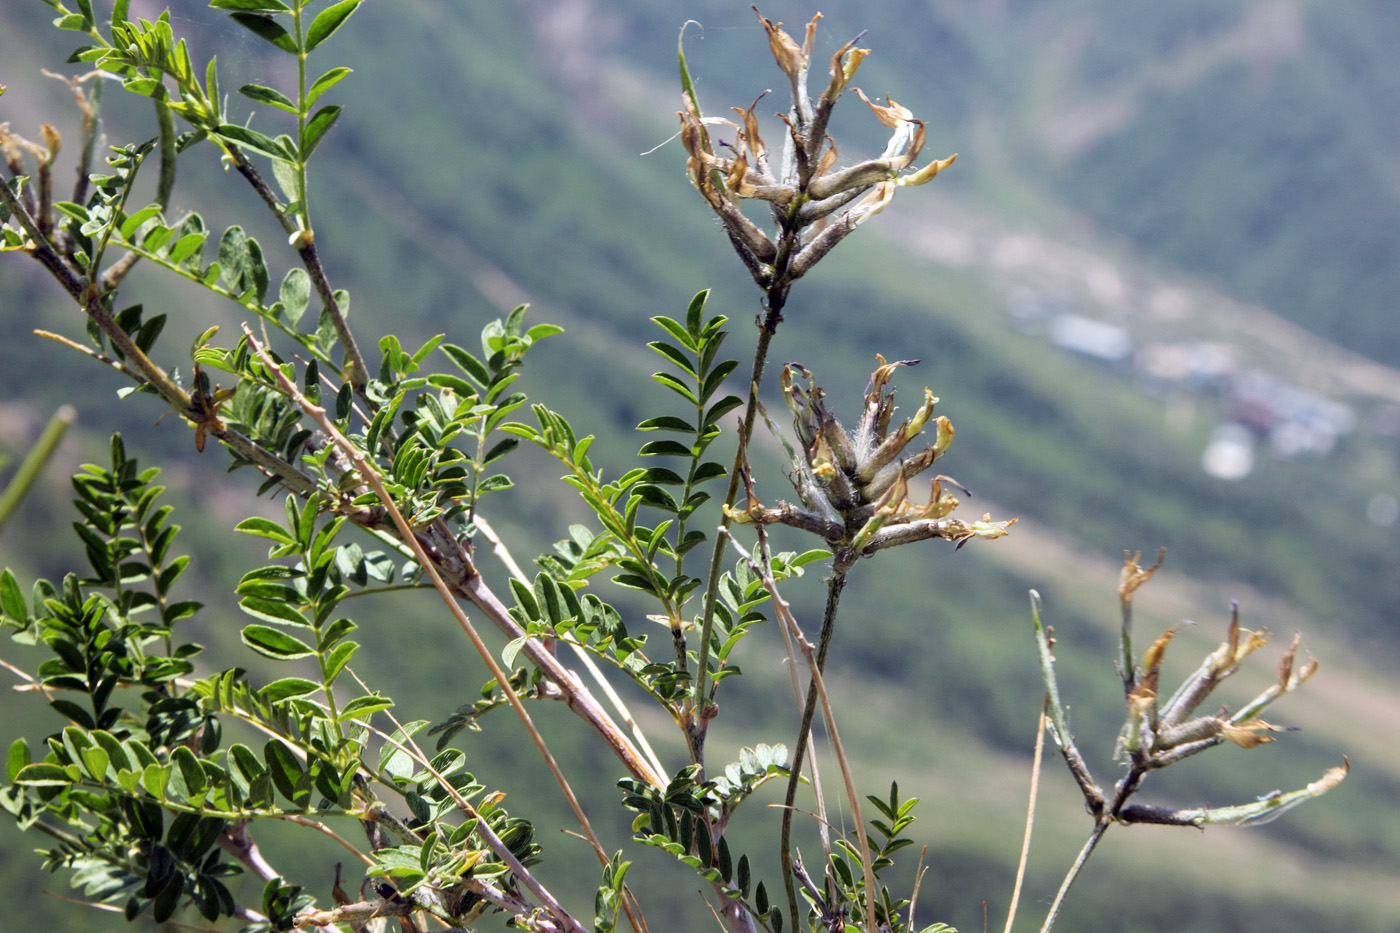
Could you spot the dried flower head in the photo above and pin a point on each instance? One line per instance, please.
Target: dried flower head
(854, 485)
(1159, 734)
(813, 207)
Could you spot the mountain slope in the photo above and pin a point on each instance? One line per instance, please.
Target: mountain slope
(490, 157)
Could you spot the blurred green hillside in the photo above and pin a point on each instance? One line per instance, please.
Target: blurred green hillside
(1189, 174)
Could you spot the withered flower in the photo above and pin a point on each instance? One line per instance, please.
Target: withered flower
(1155, 736)
(812, 206)
(854, 486)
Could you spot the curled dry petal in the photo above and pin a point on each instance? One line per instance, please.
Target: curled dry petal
(873, 203)
(882, 374)
(785, 51)
(820, 457)
(891, 115)
(939, 505)
(1134, 576)
(751, 137)
(1227, 657)
(791, 58)
(843, 68)
(738, 516)
(875, 418)
(827, 160)
(1285, 664)
(810, 39)
(1331, 779)
(943, 435)
(738, 178)
(1301, 674)
(986, 529)
(693, 135)
(1152, 662)
(1248, 734)
(913, 149)
(52, 141)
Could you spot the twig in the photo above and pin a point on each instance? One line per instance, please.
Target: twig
(584, 658)
(140, 366)
(494, 842)
(371, 476)
(34, 461)
(776, 299)
(1030, 820)
(835, 586)
(784, 612)
(355, 371)
(1059, 727)
(238, 842)
(244, 913)
(1100, 827)
(325, 830)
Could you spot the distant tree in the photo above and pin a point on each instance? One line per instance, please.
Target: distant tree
(388, 472)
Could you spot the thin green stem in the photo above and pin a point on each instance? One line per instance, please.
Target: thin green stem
(137, 364)
(834, 587)
(1059, 725)
(1125, 649)
(777, 298)
(34, 461)
(1100, 827)
(304, 206)
(304, 343)
(783, 612)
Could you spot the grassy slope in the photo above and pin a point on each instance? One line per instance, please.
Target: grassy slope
(531, 204)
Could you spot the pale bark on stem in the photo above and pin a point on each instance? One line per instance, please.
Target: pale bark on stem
(584, 658)
(1041, 725)
(464, 578)
(470, 583)
(371, 476)
(565, 679)
(238, 842)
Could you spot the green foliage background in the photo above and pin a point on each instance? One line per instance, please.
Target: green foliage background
(489, 154)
